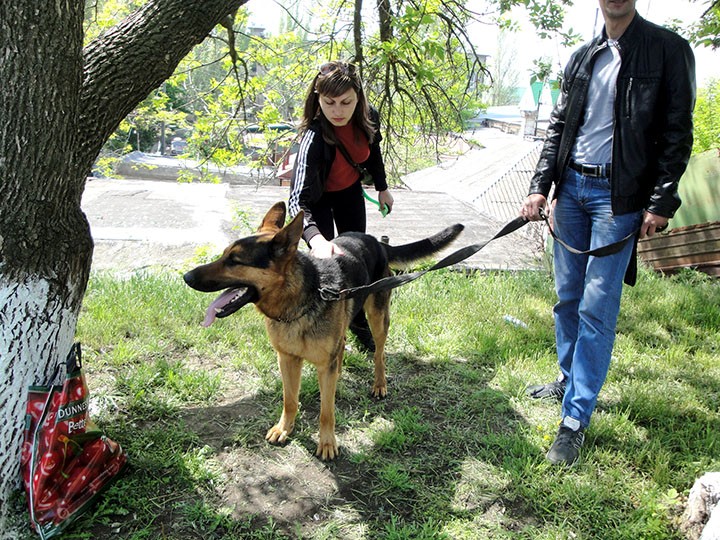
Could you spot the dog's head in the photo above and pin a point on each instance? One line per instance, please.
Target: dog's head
(249, 267)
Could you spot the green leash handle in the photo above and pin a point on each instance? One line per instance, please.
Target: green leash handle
(383, 210)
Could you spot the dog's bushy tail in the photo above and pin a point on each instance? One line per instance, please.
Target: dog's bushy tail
(399, 256)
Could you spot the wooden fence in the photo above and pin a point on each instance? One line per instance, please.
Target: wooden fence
(693, 246)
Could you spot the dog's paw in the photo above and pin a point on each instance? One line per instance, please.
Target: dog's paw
(379, 391)
(277, 435)
(327, 448)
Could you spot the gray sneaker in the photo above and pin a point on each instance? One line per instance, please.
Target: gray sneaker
(551, 390)
(566, 448)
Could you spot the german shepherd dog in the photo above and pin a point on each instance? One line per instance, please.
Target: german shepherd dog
(267, 269)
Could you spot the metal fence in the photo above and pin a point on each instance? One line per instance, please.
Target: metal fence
(502, 199)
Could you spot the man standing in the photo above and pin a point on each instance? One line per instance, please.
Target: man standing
(618, 141)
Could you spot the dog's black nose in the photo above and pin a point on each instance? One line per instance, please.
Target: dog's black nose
(197, 279)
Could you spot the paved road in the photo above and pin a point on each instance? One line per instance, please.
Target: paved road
(146, 223)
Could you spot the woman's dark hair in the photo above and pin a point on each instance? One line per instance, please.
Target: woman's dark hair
(334, 79)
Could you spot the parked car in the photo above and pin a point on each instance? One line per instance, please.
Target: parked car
(178, 146)
(255, 128)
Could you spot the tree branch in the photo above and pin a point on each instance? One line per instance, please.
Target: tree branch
(357, 33)
(122, 66)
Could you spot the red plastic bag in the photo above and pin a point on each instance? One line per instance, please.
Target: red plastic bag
(66, 461)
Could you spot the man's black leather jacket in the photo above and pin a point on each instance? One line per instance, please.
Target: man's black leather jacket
(652, 137)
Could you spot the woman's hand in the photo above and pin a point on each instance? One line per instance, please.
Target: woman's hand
(385, 198)
(323, 249)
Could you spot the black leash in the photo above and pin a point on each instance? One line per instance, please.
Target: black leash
(603, 251)
(391, 282)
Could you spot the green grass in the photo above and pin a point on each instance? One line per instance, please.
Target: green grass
(455, 452)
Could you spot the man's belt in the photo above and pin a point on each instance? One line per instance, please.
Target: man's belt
(597, 171)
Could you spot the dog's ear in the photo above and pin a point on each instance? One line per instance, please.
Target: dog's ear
(274, 219)
(287, 239)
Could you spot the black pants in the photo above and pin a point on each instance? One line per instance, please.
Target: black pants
(344, 210)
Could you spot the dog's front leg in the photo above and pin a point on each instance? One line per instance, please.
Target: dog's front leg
(290, 371)
(328, 376)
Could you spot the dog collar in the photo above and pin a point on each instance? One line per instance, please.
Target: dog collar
(288, 320)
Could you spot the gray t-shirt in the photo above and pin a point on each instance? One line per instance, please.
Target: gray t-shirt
(593, 144)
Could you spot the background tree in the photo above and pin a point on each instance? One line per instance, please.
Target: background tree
(706, 31)
(706, 132)
(405, 50)
(504, 72)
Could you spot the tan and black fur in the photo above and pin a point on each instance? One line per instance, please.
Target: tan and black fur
(268, 269)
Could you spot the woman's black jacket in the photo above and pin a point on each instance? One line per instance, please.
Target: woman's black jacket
(312, 166)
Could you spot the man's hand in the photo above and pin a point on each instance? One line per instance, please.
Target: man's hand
(323, 249)
(532, 205)
(651, 224)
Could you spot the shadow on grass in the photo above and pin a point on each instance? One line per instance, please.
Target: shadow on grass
(672, 423)
(442, 446)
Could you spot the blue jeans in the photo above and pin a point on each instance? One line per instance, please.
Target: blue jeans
(588, 288)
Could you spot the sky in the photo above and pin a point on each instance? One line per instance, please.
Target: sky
(582, 17)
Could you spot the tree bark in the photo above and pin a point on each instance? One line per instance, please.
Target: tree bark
(58, 106)
(385, 17)
(357, 34)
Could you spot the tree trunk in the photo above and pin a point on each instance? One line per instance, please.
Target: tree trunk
(45, 245)
(58, 106)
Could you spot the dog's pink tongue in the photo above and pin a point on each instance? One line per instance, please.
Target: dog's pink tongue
(218, 303)
(209, 317)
